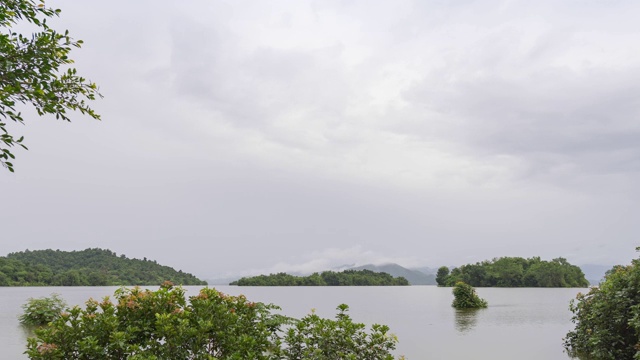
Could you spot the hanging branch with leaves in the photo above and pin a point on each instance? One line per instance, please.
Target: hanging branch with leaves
(34, 70)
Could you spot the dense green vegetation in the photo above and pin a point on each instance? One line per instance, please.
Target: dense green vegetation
(465, 297)
(515, 272)
(90, 267)
(163, 324)
(326, 278)
(607, 318)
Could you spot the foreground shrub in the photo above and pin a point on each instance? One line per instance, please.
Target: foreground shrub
(607, 318)
(465, 297)
(162, 324)
(41, 311)
(324, 339)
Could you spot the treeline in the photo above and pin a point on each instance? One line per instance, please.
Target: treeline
(515, 272)
(326, 278)
(90, 267)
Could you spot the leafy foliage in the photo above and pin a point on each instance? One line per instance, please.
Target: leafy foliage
(324, 339)
(465, 297)
(441, 275)
(90, 267)
(41, 311)
(326, 278)
(35, 70)
(162, 324)
(516, 272)
(607, 318)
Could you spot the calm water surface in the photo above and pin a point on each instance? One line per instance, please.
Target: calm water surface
(523, 324)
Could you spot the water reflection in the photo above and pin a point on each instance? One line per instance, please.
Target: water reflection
(466, 320)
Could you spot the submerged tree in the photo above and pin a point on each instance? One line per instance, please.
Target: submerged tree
(34, 70)
(41, 311)
(465, 297)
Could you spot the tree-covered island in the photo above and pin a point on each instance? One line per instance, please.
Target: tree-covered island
(515, 272)
(90, 267)
(325, 278)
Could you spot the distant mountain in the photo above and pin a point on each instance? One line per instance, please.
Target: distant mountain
(425, 269)
(223, 281)
(415, 277)
(595, 273)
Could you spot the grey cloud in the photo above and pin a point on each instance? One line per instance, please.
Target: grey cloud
(582, 118)
(254, 88)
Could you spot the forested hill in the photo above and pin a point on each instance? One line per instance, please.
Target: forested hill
(326, 278)
(515, 272)
(90, 267)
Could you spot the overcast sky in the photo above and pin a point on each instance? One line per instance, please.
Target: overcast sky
(252, 136)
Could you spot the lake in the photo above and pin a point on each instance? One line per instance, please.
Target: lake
(520, 323)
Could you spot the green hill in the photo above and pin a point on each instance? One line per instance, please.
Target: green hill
(90, 267)
(515, 272)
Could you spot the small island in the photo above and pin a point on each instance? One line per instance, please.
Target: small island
(515, 272)
(325, 278)
(90, 267)
(465, 298)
